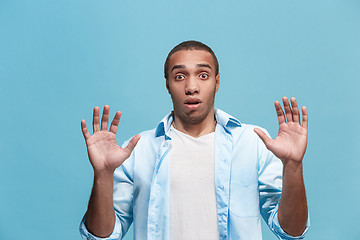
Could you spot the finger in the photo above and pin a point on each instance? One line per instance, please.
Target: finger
(96, 119)
(287, 108)
(130, 147)
(105, 118)
(304, 117)
(295, 109)
(263, 136)
(115, 122)
(85, 130)
(280, 113)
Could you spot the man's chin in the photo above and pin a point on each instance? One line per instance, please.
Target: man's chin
(194, 117)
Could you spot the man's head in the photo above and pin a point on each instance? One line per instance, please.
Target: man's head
(192, 79)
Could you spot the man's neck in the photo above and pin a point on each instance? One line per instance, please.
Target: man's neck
(196, 129)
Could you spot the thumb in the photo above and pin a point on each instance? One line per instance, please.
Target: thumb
(263, 136)
(131, 145)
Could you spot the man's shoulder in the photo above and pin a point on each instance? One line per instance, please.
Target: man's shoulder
(148, 135)
(235, 126)
(246, 130)
(247, 127)
(145, 136)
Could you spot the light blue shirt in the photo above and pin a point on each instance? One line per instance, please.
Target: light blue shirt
(248, 183)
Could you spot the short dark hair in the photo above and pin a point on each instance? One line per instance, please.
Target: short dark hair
(190, 45)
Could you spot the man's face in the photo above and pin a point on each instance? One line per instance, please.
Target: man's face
(192, 85)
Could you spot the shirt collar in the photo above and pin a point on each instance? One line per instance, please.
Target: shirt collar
(222, 118)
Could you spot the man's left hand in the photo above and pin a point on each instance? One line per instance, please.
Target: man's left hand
(290, 144)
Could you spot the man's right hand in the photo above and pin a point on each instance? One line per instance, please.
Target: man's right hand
(104, 153)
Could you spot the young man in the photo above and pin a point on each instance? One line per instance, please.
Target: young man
(200, 174)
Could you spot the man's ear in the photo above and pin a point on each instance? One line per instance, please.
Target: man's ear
(167, 86)
(217, 83)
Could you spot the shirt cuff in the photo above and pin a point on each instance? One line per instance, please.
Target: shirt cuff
(85, 234)
(280, 232)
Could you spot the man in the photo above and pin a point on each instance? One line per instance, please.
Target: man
(200, 174)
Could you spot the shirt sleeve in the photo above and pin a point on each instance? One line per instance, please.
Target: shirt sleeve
(276, 228)
(270, 189)
(85, 234)
(122, 199)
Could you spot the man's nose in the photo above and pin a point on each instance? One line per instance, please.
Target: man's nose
(192, 86)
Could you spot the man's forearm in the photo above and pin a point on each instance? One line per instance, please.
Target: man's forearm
(100, 216)
(293, 212)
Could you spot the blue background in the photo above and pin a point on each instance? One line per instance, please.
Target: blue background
(58, 59)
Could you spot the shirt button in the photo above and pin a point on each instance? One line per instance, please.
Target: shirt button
(221, 188)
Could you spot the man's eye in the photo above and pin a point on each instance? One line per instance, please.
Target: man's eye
(179, 77)
(204, 76)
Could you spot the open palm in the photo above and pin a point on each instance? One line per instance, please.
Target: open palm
(291, 142)
(103, 150)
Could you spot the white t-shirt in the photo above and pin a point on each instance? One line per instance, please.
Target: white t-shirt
(193, 212)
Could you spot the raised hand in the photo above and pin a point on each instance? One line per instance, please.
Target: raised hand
(104, 152)
(291, 142)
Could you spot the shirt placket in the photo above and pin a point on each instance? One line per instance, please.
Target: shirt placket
(158, 202)
(223, 151)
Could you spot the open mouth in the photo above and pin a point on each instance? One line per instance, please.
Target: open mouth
(192, 103)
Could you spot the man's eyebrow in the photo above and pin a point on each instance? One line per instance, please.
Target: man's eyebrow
(203, 65)
(197, 65)
(177, 67)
